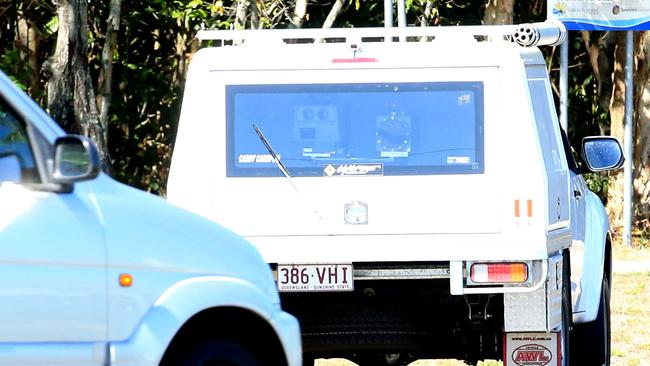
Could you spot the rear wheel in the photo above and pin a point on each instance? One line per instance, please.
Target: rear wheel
(213, 352)
(567, 309)
(382, 359)
(593, 339)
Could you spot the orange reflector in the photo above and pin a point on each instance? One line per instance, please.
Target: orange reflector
(499, 272)
(529, 208)
(517, 213)
(126, 280)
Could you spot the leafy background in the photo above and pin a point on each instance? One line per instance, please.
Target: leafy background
(156, 41)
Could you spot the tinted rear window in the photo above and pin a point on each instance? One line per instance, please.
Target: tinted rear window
(356, 129)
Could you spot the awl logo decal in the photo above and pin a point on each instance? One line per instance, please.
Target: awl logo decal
(532, 355)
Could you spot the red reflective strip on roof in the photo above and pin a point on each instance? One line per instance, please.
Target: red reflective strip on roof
(354, 60)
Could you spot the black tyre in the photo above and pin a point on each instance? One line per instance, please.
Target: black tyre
(593, 340)
(308, 360)
(213, 352)
(567, 309)
(380, 359)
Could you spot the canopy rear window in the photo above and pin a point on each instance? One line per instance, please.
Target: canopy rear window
(355, 129)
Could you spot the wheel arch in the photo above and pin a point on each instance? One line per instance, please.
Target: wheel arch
(596, 261)
(239, 325)
(181, 303)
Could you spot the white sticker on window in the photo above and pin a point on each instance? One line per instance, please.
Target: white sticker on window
(256, 158)
(464, 99)
(458, 160)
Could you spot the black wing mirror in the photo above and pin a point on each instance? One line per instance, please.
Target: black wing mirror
(76, 159)
(602, 153)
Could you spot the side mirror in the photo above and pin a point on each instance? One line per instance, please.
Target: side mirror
(76, 159)
(601, 153)
(10, 170)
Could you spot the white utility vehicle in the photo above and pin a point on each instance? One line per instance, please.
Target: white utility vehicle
(97, 273)
(411, 188)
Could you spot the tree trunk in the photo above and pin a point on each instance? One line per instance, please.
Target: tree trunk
(180, 47)
(498, 12)
(333, 14)
(110, 45)
(28, 38)
(241, 14)
(600, 48)
(299, 13)
(426, 16)
(642, 131)
(70, 94)
(617, 117)
(255, 15)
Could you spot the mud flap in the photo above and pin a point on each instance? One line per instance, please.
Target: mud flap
(532, 349)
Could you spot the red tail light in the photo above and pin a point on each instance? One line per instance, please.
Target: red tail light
(488, 273)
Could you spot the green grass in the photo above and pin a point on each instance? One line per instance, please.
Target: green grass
(638, 252)
(630, 319)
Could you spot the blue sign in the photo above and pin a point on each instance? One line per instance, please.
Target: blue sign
(601, 15)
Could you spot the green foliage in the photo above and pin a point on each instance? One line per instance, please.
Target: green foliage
(156, 41)
(9, 62)
(52, 26)
(585, 115)
(598, 183)
(530, 11)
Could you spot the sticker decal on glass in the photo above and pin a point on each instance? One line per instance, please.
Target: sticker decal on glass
(458, 160)
(256, 158)
(353, 170)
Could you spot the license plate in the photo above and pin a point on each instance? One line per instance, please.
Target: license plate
(315, 277)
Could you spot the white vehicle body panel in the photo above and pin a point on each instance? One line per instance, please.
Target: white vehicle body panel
(527, 204)
(434, 209)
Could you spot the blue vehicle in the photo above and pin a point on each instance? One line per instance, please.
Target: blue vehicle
(99, 273)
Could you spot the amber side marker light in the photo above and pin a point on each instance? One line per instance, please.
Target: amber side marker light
(485, 273)
(126, 280)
